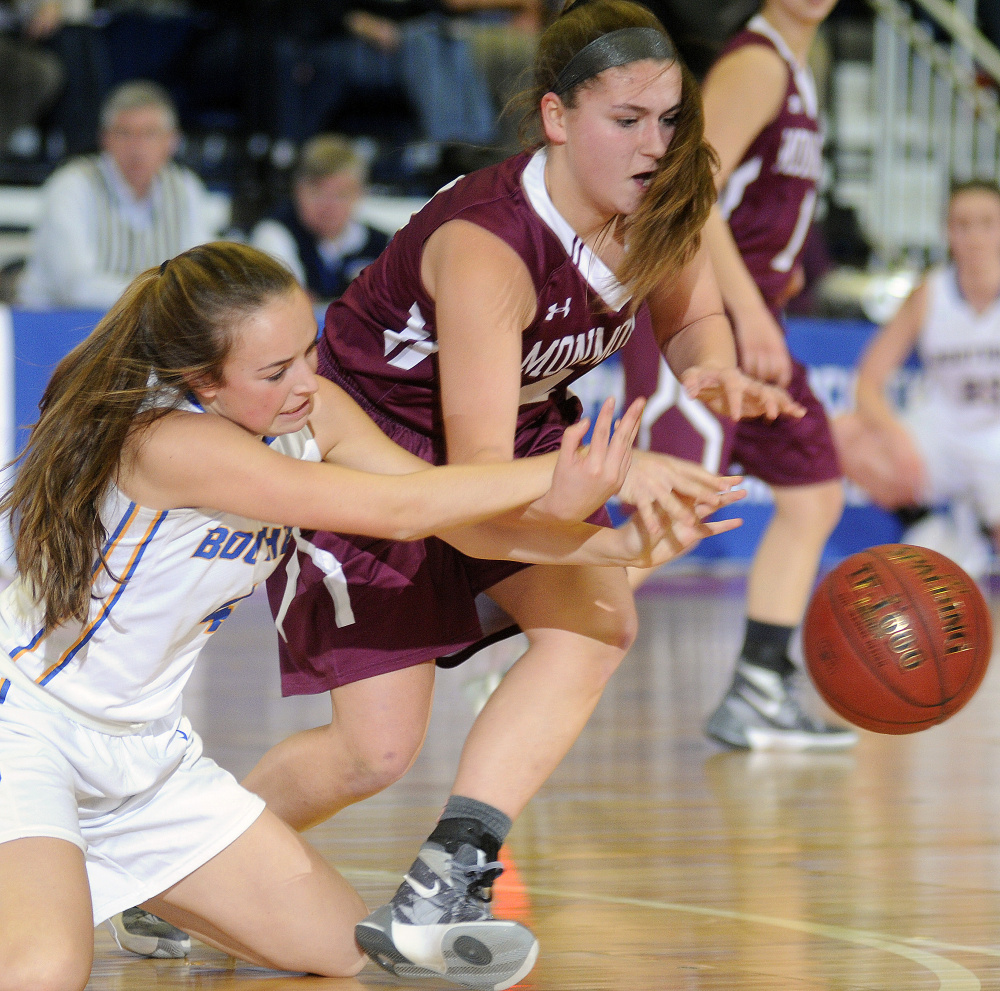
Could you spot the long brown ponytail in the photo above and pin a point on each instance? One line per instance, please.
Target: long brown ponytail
(170, 326)
(665, 230)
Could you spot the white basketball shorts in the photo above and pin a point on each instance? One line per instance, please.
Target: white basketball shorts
(960, 461)
(146, 808)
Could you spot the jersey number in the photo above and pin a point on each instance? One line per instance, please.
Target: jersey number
(784, 260)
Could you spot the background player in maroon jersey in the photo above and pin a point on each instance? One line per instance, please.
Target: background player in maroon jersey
(460, 341)
(761, 117)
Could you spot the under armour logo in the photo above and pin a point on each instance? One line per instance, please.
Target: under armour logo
(556, 308)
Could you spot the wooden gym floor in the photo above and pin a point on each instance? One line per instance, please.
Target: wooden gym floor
(652, 859)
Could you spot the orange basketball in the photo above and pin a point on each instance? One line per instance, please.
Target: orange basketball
(897, 638)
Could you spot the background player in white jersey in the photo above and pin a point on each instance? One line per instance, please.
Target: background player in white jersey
(198, 389)
(945, 445)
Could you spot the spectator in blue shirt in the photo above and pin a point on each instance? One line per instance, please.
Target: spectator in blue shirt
(315, 233)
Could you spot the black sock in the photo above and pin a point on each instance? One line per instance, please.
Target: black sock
(766, 646)
(908, 515)
(466, 820)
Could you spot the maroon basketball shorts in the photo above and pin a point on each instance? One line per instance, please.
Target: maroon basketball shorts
(787, 451)
(783, 452)
(348, 608)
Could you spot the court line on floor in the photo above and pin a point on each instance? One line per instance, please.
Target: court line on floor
(957, 947)
(951, 976)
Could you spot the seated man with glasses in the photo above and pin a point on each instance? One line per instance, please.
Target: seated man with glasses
(107, 217)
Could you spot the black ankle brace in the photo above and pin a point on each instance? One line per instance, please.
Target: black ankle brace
(452, 833)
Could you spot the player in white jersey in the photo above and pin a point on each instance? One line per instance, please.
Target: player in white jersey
(198, 389)
(945, 446)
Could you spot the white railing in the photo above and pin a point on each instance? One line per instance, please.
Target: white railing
(935, 123)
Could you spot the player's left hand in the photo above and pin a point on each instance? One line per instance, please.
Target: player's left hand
(681, 491)
(668, 539)
(585, 477)
(729, 392)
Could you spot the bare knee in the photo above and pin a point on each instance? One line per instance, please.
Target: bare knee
(356, 965)
(373, 764)
(374, 771)
(57, 968)
(628, 627)
(605, 647)
(612, 625)
(345, 969)
(346, 963)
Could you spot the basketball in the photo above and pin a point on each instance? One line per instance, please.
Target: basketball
(897, 638)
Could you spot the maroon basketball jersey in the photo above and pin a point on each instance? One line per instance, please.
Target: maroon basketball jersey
(382, 333)
(770, 196)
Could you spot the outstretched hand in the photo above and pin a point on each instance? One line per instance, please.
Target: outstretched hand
(669, 538)
(660, 485)
(729, 392)
(586, 477)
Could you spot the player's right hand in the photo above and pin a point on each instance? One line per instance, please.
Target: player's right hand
(762, 348)
(669, 539)
(732, 393)
(682, 490)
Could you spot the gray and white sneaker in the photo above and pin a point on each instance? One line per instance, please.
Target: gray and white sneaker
(148, 935)
(439, 924)
(760, 711)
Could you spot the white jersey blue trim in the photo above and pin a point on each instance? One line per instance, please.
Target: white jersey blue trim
(171, 579)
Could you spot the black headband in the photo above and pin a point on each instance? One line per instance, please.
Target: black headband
(612, 49)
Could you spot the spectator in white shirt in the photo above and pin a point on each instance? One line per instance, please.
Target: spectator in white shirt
(107, 217)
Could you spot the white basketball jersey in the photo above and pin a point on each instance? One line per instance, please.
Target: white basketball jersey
(173, 578)
(960, 352)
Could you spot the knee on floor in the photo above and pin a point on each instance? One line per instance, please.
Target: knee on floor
(53, 968)
(347, 968)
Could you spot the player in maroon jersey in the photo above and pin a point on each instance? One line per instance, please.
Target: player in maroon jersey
(761, 117)
(461, 340)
